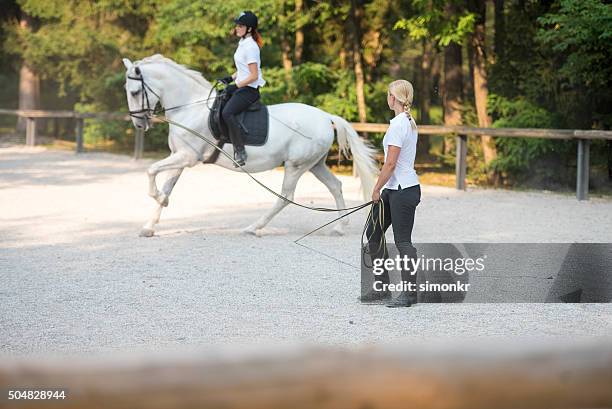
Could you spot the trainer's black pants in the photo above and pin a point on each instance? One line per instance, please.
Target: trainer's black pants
(396, 208)
(240, 100)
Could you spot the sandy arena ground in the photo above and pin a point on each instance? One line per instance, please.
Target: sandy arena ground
(76, 278)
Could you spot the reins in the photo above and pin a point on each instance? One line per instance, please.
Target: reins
(144, 87)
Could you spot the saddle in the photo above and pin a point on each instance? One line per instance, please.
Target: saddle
(253, 121)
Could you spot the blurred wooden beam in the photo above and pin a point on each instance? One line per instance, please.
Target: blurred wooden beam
(501, 376)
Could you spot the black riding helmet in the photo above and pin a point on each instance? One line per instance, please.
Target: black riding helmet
(247, 18)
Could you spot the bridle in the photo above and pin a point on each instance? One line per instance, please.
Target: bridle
(145, 105)
(146, 111)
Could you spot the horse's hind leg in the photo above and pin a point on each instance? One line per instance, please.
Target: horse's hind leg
(322, 172)
(148, 228)
(292, 175)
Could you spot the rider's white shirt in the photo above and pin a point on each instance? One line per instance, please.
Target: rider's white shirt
(401, 134)
(247, 53)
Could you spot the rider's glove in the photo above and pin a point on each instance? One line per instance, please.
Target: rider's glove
(226, 80)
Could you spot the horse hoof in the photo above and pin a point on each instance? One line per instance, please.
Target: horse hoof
(250, 230)
(147, 232)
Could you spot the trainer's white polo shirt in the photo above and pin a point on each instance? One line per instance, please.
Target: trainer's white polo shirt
(401, 134)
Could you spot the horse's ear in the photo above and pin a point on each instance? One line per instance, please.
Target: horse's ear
(128, 64)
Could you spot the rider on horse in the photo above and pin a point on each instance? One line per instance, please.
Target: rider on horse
(247, 77)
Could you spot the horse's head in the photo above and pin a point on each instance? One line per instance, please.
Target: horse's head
(141, 97)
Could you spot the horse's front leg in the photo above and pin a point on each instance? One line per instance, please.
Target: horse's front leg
(173, 162)
(153, 192)
(148, 228)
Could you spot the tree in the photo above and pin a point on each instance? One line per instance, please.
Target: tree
(447, 25)
(576, 40)
(500, 27)
(356, 15)
(453, 77)
(299, 31)
(479, 77)
(29, 80)
(425, 96)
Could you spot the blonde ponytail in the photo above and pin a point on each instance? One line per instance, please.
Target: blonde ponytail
(403, 91)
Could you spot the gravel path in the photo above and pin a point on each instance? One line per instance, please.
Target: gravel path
(76, 278)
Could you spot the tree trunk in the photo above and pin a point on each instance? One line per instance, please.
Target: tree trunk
(425, 95)
(479, 74)
(377, 48)
(356, 14)
(453, 80)
(609, 144)
(299, 33)
(436, 77)
(343, 56)
(286, 55)
(375, 38)
(29, 82)
(453, 89)
(500, 29)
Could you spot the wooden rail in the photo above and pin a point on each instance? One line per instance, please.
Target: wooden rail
(32, 115)
(427, 376)
(583, 138)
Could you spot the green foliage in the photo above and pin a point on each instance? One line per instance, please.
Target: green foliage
(332, 90)
(517, 155)
(518, 113)
(576, 38)
(553, 69)
(429, 21)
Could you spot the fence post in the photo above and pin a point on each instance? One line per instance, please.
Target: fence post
(582, 170)
(79, 134)
(55, 128)
(138, 143)
(30, 131)
(461, 162)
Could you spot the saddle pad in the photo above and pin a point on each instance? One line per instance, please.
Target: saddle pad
(256, 123)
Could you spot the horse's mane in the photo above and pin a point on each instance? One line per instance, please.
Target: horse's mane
(193, 74)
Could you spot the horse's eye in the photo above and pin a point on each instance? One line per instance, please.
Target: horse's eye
(134, 93)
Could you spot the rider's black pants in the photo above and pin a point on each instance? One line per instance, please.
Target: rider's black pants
(240, 100)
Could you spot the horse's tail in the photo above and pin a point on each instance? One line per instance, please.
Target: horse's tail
(363, 154)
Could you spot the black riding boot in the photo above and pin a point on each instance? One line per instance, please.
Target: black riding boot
(235, 134)
(409, 297)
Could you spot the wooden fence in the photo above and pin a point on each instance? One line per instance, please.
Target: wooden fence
(583, 138)
(453, 375)
(32, 115)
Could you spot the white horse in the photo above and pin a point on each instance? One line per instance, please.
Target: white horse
(299, 137)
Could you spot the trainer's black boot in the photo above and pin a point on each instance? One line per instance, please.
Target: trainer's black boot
(240, 156)
(408, 297)
(377, 297)
(405, 299)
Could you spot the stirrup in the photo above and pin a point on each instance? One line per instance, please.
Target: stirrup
(240, 157)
